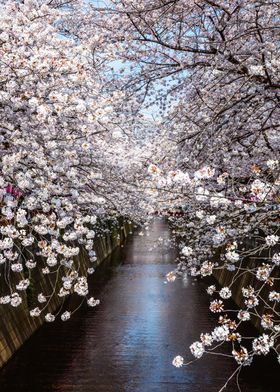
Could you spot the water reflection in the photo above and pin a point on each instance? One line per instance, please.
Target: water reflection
(127, 344)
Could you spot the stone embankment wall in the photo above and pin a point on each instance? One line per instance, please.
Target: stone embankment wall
(16, 325)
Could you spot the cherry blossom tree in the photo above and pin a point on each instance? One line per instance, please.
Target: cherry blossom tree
(68, 157)
(212, 68)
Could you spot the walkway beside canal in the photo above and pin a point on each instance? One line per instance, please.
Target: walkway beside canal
(127, 344)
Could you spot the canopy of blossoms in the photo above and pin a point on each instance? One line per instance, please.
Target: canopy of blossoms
(212, 68)
(69, 159)
(134, 107)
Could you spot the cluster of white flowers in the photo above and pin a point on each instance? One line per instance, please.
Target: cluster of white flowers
(197, 349)
(271, 240)
(204, 173)
(276, 259)
(186, 251)
(23, 284)
(232, 256)
(263, 344)
(92, 302)
(171, 276)
(216, 306)
(41, 298)
(49, 317)
(178, 361)
(243, 315)
(220, 333)
(225, 293)
(251, 298)
(206, 339)
(206, 268)
(81, 287)
(35, 312)
(260, 189)
(274, 296)
(211, 219)
(65, 315)
(211, 289)
(272, 164)
(5, 300)
(263, 272)
(267, 321)
(241, 356)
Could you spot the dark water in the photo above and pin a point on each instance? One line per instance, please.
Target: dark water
(127, 344)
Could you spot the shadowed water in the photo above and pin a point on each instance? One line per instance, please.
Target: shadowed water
(127, 344)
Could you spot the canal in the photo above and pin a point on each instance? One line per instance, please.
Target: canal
(127, 344)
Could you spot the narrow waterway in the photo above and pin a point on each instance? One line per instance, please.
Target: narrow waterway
(127, 344)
